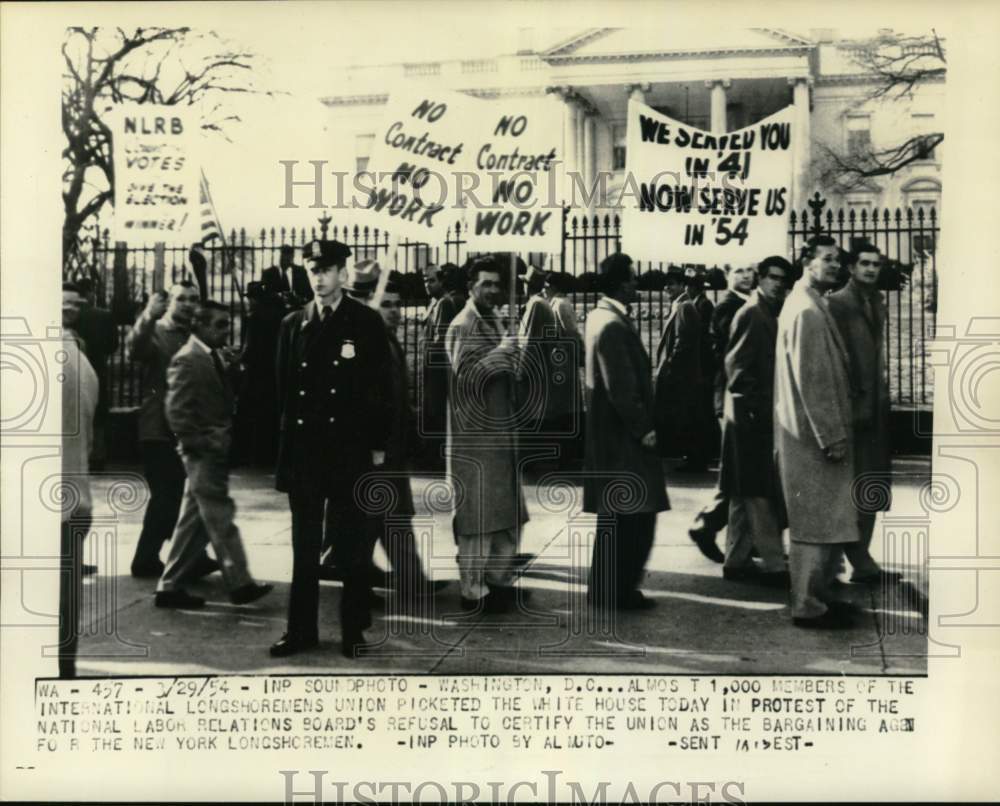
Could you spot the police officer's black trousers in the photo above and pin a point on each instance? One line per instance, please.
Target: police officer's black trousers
(621, 547)
(307, 536)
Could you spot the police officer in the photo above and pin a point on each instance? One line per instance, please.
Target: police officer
(332, 363)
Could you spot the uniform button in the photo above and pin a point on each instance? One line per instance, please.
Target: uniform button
(336, 363)
(333, 391)
(303, 363)
(332, 419)
(302, 392)
(299, 421)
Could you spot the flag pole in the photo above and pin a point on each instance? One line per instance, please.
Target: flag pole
(225, 248)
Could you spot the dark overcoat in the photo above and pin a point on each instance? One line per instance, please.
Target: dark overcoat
(722, 318)
(748, 435)
(621, 476)
(862, 327)
(678, 374)
(333, 395)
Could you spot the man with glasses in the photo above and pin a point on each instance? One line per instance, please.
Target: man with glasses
(860, 315)
(748, 476)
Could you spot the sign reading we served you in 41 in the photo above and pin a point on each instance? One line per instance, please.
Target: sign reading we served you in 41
(696, 197)
(156, 175)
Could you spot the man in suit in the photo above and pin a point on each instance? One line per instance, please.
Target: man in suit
(79, 403)
(288, 281)
(333, 359)
(705, 437)
(623, 481)
(678, 373)
(714, 517)
(199, 409)
(159, 332)
(489, 508)
(444, 306)
(860, 315)
(100, 339)
(813, 440)
(536, 340)
(748, 476)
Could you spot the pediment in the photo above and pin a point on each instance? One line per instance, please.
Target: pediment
(598, 43)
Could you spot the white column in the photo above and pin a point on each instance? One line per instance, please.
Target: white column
(637, 92)
(589, 151)
(719, 123)
(801, 148)
(581, 125)
(570, 126)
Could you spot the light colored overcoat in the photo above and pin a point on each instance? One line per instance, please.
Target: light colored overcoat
(482, 430)
(812, 411)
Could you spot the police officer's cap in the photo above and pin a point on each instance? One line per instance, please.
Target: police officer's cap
(324, 254)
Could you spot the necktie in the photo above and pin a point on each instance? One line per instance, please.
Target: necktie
(288, 280)
(219, 367)
(326, 313)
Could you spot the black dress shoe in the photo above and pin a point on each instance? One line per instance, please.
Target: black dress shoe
(205, 566)
(636, 600)
(830, 620)
(781, 580)
(290, 644)
(705, 541)
(469, 605)
(502, 600)
(178, 598)
(747, 573)
(150, 571)
(884, 578)
(331, 573)
(351, 642)
(250, 592)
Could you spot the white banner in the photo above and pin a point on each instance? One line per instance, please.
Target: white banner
(517, 159)
(424, 138)
(696, 197)
(156, 175)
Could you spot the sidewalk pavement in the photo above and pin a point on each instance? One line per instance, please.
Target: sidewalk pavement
(701, 625)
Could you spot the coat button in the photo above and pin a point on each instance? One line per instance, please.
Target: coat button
(299, 421)
(332, 419)
(333, 391)
(336, 363)
(303, 363)
(302, 392)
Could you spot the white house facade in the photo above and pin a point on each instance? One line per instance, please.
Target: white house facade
(718, 80)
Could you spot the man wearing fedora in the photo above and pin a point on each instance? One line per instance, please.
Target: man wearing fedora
(333, 358)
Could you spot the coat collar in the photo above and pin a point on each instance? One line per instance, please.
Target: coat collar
(820, 302)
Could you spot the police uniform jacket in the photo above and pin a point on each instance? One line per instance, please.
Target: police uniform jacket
(332, 380)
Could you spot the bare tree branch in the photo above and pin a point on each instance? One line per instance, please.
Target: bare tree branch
(144, 65)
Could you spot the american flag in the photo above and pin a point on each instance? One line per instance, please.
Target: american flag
(210, 226)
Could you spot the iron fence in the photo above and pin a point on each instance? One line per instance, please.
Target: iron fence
(908, 239)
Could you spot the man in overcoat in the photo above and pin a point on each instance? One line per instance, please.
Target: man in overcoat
(333, 360)
(623, 481)
(489, 506)
(444, 306)
(812, 433)
(860, 315)
(678, 374)
(748, 477)
(714, 517)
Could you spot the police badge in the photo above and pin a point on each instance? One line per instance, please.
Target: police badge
(347, 350)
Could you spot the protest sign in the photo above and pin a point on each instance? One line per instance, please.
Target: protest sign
(422, 142)
(695, 197)
(516, 159)
(156, 175)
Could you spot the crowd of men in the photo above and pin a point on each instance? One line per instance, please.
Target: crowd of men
(787, 369)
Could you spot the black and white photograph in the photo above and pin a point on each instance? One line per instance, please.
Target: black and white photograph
(506, 401)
